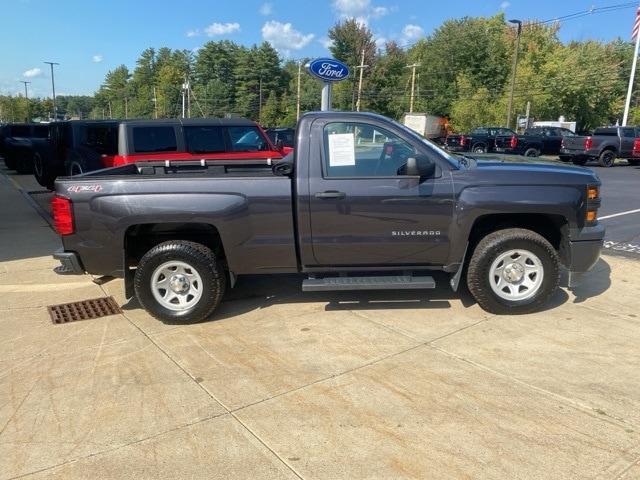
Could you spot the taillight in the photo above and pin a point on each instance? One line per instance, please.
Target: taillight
(62, 215)
(588, 143)
(514, 142)
(463, 140)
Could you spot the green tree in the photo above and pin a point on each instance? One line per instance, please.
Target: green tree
(353, 45)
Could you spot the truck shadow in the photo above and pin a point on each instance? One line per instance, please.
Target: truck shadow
(257, 292)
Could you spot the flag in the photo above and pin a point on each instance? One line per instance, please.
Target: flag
(636, 25)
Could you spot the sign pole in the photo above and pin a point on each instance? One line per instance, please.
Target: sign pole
(329, 71)
(326, 96)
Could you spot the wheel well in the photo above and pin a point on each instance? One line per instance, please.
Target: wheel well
(139, 239)
(548, 226)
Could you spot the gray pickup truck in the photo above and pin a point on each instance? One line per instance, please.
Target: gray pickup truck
(605, 145)
(363, 202)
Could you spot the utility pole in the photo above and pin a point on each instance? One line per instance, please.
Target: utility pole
(362, 66)
(515, 64)
(53, 87)
(413, 83)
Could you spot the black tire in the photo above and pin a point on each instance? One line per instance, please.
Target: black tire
(23, 161)
(633, 161)
(81, 160)
(607, 158)
(565, 158)
(580, 160)
(532, 152)
(9, 162)
(479, 149)
(179, 282)
(513, 271)
(46, 167)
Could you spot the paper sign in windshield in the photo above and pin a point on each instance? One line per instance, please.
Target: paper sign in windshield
(341, 149)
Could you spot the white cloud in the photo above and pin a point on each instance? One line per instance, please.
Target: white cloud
(359, 10)
(411, 33)
(221, 29)
(283, 37)
(97, 58)
(266, 9)
(505, 5)
(193, 33)
(326, 42)
(33, 73)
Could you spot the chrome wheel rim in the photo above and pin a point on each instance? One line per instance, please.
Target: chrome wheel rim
(176, 285)
(516, 275)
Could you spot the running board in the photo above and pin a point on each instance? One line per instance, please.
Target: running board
(399, 282)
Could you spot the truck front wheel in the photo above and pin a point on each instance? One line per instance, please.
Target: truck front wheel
(179, 282)
(513, 271)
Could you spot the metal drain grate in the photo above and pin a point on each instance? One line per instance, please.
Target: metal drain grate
(85, 310)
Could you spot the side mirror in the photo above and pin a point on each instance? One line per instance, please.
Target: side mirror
(419, 166)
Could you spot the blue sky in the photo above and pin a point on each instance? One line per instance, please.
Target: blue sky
(89, 38)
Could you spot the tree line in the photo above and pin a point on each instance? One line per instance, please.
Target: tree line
(463, 71)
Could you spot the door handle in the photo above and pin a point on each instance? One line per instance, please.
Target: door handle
(331, 194)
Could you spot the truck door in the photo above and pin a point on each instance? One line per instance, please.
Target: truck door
(627, 140)
(365, 211)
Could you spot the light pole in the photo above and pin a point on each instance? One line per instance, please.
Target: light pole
(25, 89)
(513, 73)
(53, 87)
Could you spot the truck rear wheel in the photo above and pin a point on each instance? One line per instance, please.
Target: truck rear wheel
(607, 158)
(532, 152)
(479, 148)
(81, 160)
(179, 282)
(513, 271)
(46, 167)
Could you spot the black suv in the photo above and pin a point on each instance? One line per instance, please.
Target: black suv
(286, 135)
(16, 144)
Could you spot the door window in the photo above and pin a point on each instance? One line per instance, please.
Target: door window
(362, 150)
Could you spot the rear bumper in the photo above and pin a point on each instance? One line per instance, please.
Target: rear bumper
(70, 263)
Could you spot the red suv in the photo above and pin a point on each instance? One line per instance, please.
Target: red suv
(100, 144)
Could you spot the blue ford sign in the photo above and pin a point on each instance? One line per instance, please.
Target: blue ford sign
(327, 69)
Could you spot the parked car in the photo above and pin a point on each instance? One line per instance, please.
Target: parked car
(480, 140)
(605, 145)
(282, 134)
(535, 141)
(79, 146)
(381, 214)
(16, 146)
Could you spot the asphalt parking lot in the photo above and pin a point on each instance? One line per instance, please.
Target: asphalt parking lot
(284, 384)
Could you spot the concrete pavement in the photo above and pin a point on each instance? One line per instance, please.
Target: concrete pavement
(285, 384)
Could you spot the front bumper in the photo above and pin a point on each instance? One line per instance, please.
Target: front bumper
(583, 252)
(70, 263)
